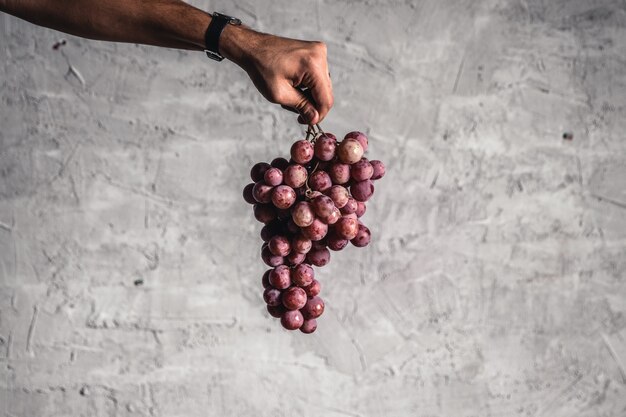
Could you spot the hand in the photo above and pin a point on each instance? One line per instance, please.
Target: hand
(280, 68)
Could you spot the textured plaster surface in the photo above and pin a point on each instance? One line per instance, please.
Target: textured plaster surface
(495, 284)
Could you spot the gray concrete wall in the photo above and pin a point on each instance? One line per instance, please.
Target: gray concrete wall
(495, 284)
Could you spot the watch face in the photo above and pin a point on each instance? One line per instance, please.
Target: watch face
(231, 20)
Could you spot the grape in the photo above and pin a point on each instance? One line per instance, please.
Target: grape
(362, 190)
(302, 214)
(379, 169)
(323, 205)
(316, 231)
(283, 196)
(301, 244)
(350, 207)
(292, 227)
(360, 210)
(280, 277)
(265, 280)
(272, 297)
(336, 243)
(291, 319)
(295, 258)
(324, 148)
(308, 326)
(339, 173)
(258, 170)
(280, 163)
(264, 213)
(276, 311)
(360, 171)
(362, 237)
(360, 137)
(295, 176)
(320, 181)
(279, 246)
(273, 177)
(302, 275)
(313, 308)
(334, 216)
(269, 259)
(347, 227)
(339, 195)
(349, 151)
(302, 151)
(294, 298)
(270, 230)
(262, 192)
(313, 288)
(318, 257)
(247, 194)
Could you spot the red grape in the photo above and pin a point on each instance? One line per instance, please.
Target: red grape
(301, 244)
(272, 296)
(362, 237)
(283, 196)
(349, 151)
(294, 298)
(350, 207)
(302, 275)
(273, 177)
(279, 246)
(336, 243)
(323, 205)
(302, 214)
(362, 190)
(360, 137)
(295, 176)
(313, 308)
(302, 151)
(318, 257)
(339, 173)
(313, 288)
(339, 195)
(269, 259)
(258, 170)
(247, 194)
(262, 192)
(264, 213)
(308, 326)
(295, 258)
(316, 231)
(291, 319)
(324, 148)
(280, 163)
(360, 171)
(265, 280)
(320, 181)
(280, 277)
(360, 210)
(347, 228)
(379, 169)
(276, 311)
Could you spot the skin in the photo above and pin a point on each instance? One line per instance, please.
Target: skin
(280, 68)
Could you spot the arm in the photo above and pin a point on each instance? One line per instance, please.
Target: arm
(276, 65)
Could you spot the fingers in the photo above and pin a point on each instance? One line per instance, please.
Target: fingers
(298, 100)
(322, 93)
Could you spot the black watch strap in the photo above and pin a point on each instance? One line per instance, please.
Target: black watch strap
(213, 32)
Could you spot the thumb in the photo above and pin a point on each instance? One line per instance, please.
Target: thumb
(298, 100)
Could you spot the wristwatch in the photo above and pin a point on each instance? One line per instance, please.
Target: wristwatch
(213, 32)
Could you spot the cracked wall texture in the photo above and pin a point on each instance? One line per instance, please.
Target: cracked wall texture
(495, 284)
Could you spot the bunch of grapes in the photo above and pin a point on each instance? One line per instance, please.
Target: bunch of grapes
(309, 205)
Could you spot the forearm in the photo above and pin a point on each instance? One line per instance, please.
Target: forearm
(169, 23)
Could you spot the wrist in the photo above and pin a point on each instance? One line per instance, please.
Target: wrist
(237, 44)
